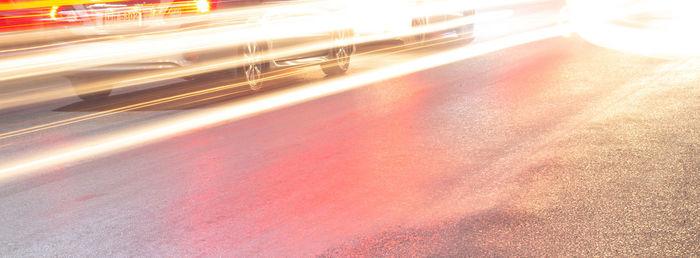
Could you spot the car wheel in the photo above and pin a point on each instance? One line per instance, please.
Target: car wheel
(340, 55)
(87, 90)
(255, 67)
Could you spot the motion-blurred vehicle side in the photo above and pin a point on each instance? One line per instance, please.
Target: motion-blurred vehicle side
(408, 17)
(126, 17)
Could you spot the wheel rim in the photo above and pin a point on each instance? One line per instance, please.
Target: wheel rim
(342, 53)
(253, 69)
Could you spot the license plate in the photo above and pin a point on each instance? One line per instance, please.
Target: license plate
(131, 14)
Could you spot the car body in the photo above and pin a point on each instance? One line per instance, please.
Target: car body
(133, 17)
(406, 17)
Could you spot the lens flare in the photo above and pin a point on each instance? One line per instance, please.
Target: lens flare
(664, 29)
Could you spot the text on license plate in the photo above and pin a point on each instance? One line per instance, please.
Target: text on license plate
(123, 15)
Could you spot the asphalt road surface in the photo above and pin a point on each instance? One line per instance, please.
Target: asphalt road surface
(551, 148)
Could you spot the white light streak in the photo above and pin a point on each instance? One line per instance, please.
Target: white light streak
(115, 142)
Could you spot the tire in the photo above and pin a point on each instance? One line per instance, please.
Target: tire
(255, 67)
(84, 88)
(340, 56)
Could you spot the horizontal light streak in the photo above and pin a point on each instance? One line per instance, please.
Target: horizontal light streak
(220, 17)
(353, 9)
(387, 52)
(187, 122)
(227, 63)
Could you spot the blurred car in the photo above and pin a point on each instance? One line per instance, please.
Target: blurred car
(124, 17)
(407, 17)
